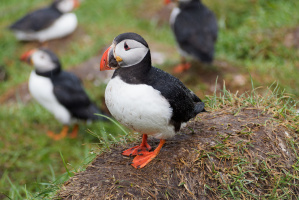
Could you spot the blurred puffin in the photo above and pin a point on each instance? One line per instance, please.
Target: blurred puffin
(60, 92)
(54, 21)
(195, 30)
(144, 98)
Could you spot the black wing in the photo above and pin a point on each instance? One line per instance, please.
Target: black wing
(184, 102)
(196, 32)
(37, 20)
(71, 94)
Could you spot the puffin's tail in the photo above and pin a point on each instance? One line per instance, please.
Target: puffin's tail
(199, 107)
(89, 113)
(93, 111)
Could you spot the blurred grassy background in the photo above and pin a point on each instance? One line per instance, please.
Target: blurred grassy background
(256, 37)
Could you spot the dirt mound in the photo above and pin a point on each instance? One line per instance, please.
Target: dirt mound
(232, 153)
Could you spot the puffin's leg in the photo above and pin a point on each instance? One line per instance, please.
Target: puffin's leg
(141, 160)
(59, 136)
(74, 133)
(184, 66)
(143, 147)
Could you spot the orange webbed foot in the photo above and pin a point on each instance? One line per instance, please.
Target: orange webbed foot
(181, 68)
(142, 148)
(142, 160)
(137, 150)
(59, 136)
(74, 133)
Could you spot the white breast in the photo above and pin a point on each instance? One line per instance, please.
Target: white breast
(63, 26)
(41, 88)
(139, 107)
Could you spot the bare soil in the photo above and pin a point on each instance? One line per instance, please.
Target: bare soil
(292, 38)
(203, 79)
(60, 45)
(197, 163)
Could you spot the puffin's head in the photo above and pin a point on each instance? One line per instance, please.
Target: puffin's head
(66, 6)
(127, 49)
(42, 59)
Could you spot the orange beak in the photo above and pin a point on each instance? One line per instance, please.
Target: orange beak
(105, 61)
(167, 1)
(26, 57)
(76, 3)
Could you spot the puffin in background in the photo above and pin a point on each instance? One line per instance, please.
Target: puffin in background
(195, 29)
(144, 98)
(52, 22)
(60, 92)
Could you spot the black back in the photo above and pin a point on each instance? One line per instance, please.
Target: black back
(37, 20)
(185, 103)
(195, 29)
(70, 93)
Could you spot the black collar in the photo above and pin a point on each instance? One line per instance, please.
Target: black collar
(135, 74)
(49, 74)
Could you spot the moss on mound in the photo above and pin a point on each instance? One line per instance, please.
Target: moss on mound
(233, 152)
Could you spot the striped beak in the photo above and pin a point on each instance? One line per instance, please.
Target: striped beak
(167, 1)
(76, 3)
(26, 57)
(105, 61)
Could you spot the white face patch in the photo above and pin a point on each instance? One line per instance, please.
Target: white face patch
(66, 6)
(42, 61)
(130, 51)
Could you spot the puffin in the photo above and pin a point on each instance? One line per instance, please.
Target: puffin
(60, 92)
(195, 29)
(52, 22)
(144, 98)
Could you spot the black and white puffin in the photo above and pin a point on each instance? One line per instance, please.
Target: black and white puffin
(60, 92)
(144, 98)
(52, 22)
(195, 29)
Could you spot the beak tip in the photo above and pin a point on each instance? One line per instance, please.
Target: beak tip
(76, 3)
(167, 2)
(104, 65)
(26, 56)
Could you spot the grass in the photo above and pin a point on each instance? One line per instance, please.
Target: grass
(246, 179)
(251, 37)
(29, 158)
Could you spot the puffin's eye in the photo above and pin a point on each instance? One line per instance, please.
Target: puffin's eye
(126, 46)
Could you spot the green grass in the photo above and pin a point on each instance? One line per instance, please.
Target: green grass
(253, 180)
(29, 157)
(251, 36)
